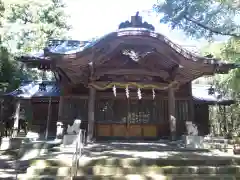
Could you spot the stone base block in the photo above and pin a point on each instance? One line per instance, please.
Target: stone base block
(194, 141)
(33, 136)
(69, 139)
(11, 143)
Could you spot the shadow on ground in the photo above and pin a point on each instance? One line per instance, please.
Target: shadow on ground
(150, 150)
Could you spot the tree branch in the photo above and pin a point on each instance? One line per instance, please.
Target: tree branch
(210, 29)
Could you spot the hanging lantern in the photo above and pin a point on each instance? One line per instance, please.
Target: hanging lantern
(153, 93)
(114, 91)
(127, 91)
(139, 93)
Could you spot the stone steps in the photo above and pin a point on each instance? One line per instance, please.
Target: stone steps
(111, 167)
(157, 177)
(136, 162)
(137, 177)
(107, 164)
(48, 162)
(111, 171)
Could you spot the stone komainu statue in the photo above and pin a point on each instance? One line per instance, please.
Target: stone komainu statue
(75, 128)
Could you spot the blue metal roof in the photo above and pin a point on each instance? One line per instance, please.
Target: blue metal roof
(59, 47)
(33, 89)
(201, 93)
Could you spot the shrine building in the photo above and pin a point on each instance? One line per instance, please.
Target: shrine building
(133, 83)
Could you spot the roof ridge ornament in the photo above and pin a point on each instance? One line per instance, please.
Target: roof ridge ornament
(136, 22)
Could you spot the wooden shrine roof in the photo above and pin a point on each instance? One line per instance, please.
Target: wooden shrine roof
(133, 49)
(32, 89)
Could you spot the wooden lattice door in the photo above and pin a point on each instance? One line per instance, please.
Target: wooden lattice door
(128, 119)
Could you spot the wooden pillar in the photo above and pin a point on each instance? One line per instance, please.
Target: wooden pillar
(191, 106)
(91, 108)
(60, 108)
(171, 112)
(48, 116)
(16, 119)
(60, 125)
(29, 111)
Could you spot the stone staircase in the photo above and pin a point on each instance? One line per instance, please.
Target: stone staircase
(42, 155)
(124, 161)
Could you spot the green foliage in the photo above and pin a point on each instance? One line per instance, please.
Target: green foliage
(204, 19)
(26, 26)
(30, 23)
(229, 51)
(200, 18)
(228, 84)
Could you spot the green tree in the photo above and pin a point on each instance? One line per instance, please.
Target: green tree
(6, 65)
(26, 25)
(201, 18)
(30, 23)
(206, 19)
(227, 84)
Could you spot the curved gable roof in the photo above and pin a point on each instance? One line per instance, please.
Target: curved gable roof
(75, 57)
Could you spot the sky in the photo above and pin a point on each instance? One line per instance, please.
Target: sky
(95, 18)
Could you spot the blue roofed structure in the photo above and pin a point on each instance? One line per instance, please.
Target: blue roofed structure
(201, 94)
(31, 89)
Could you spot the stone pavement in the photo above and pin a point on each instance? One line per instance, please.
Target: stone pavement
(156, 149)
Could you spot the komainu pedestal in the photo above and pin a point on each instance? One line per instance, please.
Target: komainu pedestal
(192, 140)
(71, 137)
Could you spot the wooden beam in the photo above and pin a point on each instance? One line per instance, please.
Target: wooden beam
(173, 72)
(91, 116)
(133, 95)
(171, 111)
(163, 74)
(63, 75)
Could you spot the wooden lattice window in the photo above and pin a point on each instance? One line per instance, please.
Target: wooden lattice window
(104, 110)
(182, 110)
(74, 108)
(127, 111)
